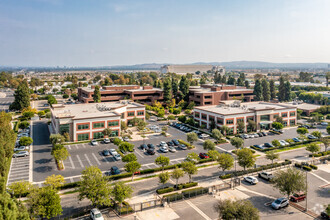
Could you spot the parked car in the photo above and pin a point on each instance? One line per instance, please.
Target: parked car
(151, 151)
(260, 134)
(114, 170)
(94, 143)
(324, 215)
(251, 179)
(112, 151)
(95, 214)
(22, 135)
(202, 136)
(268, 145)
(277, 130)
(117, 157)
(265, 175)
(255, 135)
(143, 147)
(106, 152)
(296, 139)
(21, 154)
(203, 155)
(246, 136)
(163, 143)
(163, 149)
(170, 143)
(324, 123)
(126, 139)
(183, 147)
(189, 159)
(264, 133)
(151, 146)
(175, 142)
(171, 149)
(106, 141)
(21, 148)
(297, 197)
(280, 203)
(284, 143)
(261, 147)
(310, 136)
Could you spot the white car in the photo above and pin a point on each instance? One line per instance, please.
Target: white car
(126, 139)
(94, 143)
(171, 149)
(21, 154)
(163, 143)
(251, 179)
(22, 135)
(163, 149)
(204, 136)
(324, 123)
(284, 143)
(106, 140)
(116, 156)
(96, 214)
(21, 148)
(113, 151)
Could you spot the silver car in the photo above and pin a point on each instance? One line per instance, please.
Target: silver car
(171, 149)
(21, 154)
(251, 179)
(21, 148)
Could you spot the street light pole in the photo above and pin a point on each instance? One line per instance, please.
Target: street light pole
(306, 192)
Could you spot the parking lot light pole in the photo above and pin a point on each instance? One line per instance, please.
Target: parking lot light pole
(306, 192)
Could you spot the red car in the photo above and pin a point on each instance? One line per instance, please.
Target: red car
(203, 156)
(297, 197)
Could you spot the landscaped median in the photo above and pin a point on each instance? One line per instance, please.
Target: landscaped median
(186, 143)
(179, 187)
(185, 194)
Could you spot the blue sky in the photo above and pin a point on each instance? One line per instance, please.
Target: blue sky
(110, 32)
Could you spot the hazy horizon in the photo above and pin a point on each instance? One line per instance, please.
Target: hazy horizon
(86, 33)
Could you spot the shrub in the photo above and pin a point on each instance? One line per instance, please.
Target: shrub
(307, 168)
(24, 125)
(69, 185)
(119, 176)
(183, 142)
(313, 167)
(173, 197)
(221, 141)
(65, 96)
(117, 141)
(165, 190)
(194, 192)
(188, 185)
(226, 176)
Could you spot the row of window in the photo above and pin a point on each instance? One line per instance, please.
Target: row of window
(96, 135)
(97, 125)
(130, 114)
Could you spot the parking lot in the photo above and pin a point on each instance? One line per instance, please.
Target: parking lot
(6, 98)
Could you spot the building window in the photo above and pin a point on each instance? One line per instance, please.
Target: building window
(208, 97)
(196, 114)
(204, 116)
(292, 113)
(251, 118)
(240, 120)
(83, 126)
(129, 114)
(98, 135)
(64, 128)
(98, 125)
(83, 137)
(140, 113)
(198, 96)
(122, 115)
(292, 122)
(114, 133)
(211, 118)
(284, 115)
(207, 103)
(220, 121)
(229, 121)
(285, 123)
(264, 117)
(113, 123)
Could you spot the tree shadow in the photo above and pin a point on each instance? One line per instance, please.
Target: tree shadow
(42, 161)
(323, 192)
(43, 169)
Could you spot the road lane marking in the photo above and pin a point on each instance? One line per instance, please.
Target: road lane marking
(98, 162)
(198, 210)
(90, 164)
(72, 164)
(324, 180)
(81, 164)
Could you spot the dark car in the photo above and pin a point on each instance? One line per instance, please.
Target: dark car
(264, 133)
(151, 146)
(259, 146)
(203, 155)
(170, 143)
(324, 215)
(143, 147)
(297, 197)
(114, 170)
(268, 145)
(260, 134)
(151, 151)
(175, 142)
(106, 152)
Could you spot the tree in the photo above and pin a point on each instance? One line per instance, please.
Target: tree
(277, 125)
(95, 187)
(240, 210)
(51, 100)
(44, 202)
(271, 155)
(41, 113)
(313, 148)
(189, 168)
(177, 174)
(129, 158)
(287, 91)
(257, 91)
(120, 192)
(184, 87)
(25, 141)
(237, 142)
(22, 97)
(328, 129)
(56, 139)
(302, 131)
(162, 161)
(132, 167)
(208, 145)
(241, 126)
(97, 94)
(167, 90)
(317, 134)
(19, 188)
(213, 154)
(276, 143)
(174, 87)
(289, 181)
(28, 114)
(245, 158)
(265, 90)
(252, 125)
(272, 89)
(226, 161)
(54, 181)
(107, 132)
(61, 154)
(247, 84)
(192, 137)
(192, 157)
(281, 90)
(164, 177)
(279, 119)
(24, 125)
(10, 208)
(326, 142)
(217, 134)
(142, 124)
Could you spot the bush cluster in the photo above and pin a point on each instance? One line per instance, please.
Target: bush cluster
(194, 192)
(307, 167)
(173, 197)
(280, 147)
(165, 190)
(320, 154)
(178, 187)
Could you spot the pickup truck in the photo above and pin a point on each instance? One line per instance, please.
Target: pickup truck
(265, 176)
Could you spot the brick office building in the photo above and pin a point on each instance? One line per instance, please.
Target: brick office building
(213, 94)
(263, 113)
(146, 94)
(87, 121)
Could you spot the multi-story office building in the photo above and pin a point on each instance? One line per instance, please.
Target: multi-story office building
(87, 121)
(263, 113)
(213, 94)
(146, 94)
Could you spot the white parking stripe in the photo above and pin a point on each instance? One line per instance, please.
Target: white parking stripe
(83, 145)
(81, 164)
(106, 159)
(68, 146)
(139, 153)
(90, 164)
(77, 146)
(72, 164)
(98, 162)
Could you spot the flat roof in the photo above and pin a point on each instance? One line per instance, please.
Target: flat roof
(92, 110)
(304, 106)
(88, 89)
(208, 90)
(245, 107)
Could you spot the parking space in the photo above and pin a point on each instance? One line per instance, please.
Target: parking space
(19, 170)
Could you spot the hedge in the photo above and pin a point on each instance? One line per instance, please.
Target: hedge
(185, 143)
(16, 126)
(313, 167)
(194, 192)
(307, 168)
(280, 147)
(226, 176)
(221, 141)
(178, 187)
(235, 151)
(320, 154)
(165, 190)
(119, 176)
(173, 197)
